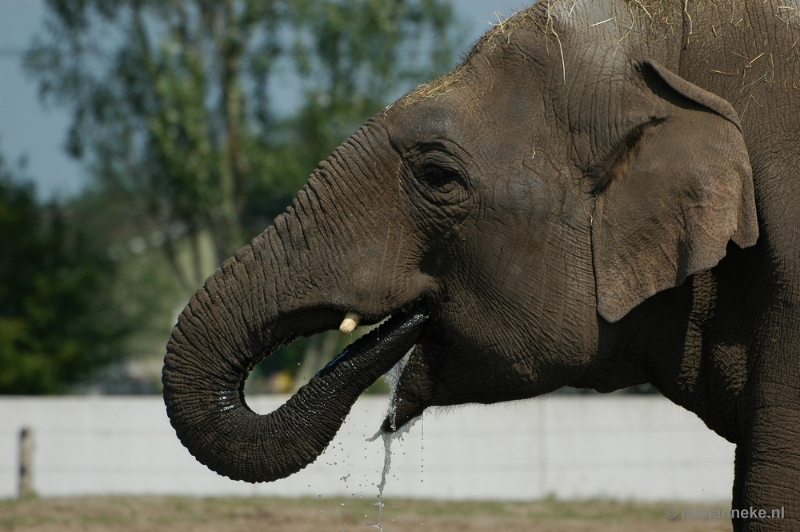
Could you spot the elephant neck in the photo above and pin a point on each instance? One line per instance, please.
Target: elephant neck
(677, 342)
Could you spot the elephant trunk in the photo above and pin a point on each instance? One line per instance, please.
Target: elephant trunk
(223, 333)
(229, 326)
(269, 293)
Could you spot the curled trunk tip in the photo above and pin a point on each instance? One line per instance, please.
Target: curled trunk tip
(205, 402)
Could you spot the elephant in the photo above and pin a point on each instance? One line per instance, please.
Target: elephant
(604, 193)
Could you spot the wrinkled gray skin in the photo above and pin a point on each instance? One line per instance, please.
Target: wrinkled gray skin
(604, 194)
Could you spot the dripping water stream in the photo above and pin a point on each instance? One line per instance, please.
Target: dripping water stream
(392, 378)
(387, 463)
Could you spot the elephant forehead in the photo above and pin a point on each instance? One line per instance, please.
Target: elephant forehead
(426, 122)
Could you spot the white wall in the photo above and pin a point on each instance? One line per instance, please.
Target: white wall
(642, 448)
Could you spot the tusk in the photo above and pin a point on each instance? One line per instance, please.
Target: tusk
(349, 323)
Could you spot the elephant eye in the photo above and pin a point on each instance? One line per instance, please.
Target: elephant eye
(441, 179)
(438, 177)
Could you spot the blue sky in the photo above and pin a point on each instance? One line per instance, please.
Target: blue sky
(28, 129)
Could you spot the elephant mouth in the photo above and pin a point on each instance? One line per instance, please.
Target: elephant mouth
(395, 329)
(412, 380)
(406, 326)
(412, 393)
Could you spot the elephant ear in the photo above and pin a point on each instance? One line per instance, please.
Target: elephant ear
(670, 196)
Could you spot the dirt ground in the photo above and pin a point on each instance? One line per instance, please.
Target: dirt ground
(184, 514)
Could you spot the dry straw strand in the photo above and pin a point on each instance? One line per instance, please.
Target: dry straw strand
(445, 84)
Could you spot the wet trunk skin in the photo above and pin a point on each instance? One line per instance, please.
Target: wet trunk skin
(217, 425)
(724, 344)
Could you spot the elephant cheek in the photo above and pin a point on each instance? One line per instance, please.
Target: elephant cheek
(414, 392)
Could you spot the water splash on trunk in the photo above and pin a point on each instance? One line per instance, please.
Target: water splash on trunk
(392, 379)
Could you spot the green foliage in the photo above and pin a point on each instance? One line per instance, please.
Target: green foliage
(358, 54)
(171, 100)
(58, 324)
(172, 112)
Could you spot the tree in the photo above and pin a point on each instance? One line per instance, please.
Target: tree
(58, 322)
(173, 106)
(171, 100)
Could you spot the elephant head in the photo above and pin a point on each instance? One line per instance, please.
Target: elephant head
(501, 215)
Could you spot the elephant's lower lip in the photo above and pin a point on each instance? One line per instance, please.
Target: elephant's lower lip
(393, 330)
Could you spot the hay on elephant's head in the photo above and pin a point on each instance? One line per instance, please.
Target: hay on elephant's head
(435, 88)
(500, 33)
(539, 17)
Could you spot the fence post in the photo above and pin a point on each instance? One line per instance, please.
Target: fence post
(26, 462)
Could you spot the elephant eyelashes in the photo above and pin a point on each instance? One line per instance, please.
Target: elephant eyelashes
(616, 165)
(442, 179)
(436, 178)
